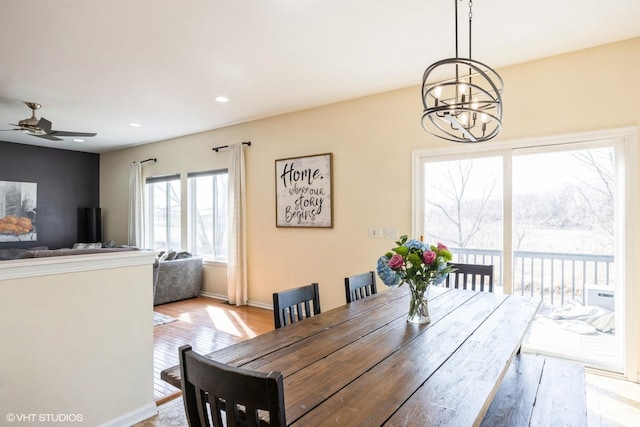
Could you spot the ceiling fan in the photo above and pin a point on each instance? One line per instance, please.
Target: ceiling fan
(42, 127)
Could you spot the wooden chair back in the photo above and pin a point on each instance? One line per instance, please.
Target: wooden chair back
(295, 304)
(360, 286)
(471, 276)
(214, 391)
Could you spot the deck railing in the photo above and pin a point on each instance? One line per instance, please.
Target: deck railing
(552, 276)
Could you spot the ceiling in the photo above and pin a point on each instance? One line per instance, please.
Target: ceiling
(96, 66)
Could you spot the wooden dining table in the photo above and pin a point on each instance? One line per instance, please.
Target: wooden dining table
(363, 364)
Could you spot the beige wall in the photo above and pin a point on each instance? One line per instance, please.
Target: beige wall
(372, 139)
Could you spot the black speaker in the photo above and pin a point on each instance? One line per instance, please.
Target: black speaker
(93, 225)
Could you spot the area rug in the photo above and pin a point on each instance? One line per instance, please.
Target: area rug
(162, 319)
(170, 414)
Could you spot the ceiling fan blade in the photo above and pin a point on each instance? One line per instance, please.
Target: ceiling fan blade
(45, 125)
(49, 137)
(67, 133)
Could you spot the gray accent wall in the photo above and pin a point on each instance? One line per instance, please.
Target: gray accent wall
(68, 182)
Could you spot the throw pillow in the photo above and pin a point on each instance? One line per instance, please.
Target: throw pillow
(87, 245)
(169, 255)
(109, 244)
(183, 255)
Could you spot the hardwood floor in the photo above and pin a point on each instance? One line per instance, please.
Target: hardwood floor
(207, 324)
(612, 402)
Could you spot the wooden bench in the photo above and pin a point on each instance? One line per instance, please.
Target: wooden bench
(539, 391)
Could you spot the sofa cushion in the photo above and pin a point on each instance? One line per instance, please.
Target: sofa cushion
(11, 253)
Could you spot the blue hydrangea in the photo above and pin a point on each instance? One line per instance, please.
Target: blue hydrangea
(415, 244)
(441, 272)
(439, 278)
(388, 276)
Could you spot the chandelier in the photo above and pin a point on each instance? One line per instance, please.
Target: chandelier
(466, 107)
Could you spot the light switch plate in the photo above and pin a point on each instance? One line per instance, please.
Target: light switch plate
(391, 233)
(375, 232)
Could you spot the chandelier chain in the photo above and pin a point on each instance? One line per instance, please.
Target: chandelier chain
(470, 18)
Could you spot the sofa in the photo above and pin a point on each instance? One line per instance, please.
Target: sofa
(176, 279)
(42, 252)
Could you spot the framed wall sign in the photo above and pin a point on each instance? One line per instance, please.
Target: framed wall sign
(304, 191)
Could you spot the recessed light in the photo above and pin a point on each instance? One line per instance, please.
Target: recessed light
(135, 125)
(222, 99)
(78, 140)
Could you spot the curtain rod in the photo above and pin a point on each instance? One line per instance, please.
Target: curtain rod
(149, 160)
(225, 146)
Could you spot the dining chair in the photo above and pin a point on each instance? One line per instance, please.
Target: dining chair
(213, 391)
(360, 286)
(295, 304)
(470, 276)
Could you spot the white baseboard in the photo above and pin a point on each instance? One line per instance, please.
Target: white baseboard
(133, 417)
(260, 305)
(250, 303)
(216, 296)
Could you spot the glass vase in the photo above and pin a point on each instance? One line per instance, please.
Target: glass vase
(418, 308)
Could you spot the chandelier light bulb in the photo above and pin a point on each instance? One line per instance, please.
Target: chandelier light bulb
(437, 92)
(484, 118)
(464, 118)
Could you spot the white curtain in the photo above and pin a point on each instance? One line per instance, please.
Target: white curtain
(237, 268)
(135, 205)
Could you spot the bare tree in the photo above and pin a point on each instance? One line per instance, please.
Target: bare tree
(598, 197)
(466, 212)
(520, 234)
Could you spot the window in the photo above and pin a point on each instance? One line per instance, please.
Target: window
(163, 229)
(207, 200)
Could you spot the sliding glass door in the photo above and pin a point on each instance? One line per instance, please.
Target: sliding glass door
(551, 219)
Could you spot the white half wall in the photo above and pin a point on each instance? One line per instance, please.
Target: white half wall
(77, 346)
